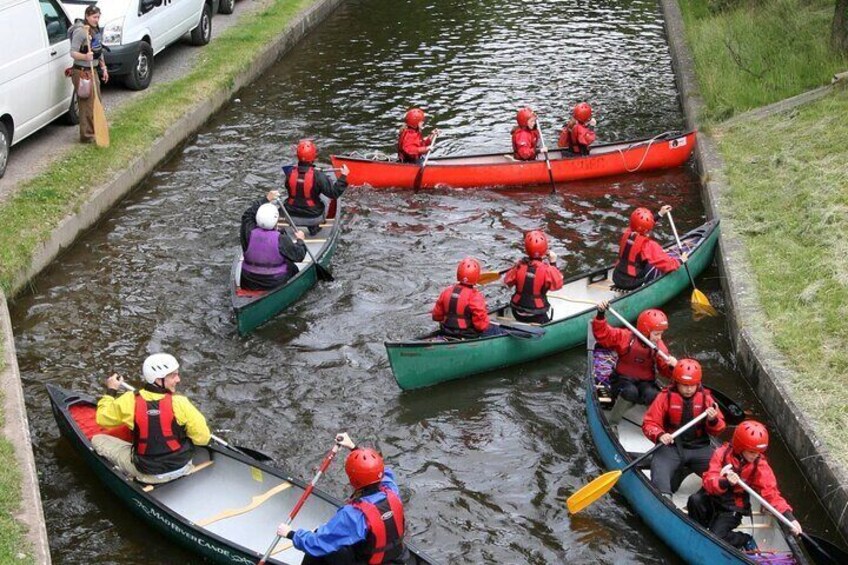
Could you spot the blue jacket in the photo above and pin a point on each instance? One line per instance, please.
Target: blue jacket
(347, 527)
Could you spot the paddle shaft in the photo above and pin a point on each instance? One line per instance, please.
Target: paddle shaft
(680, 246)
(418, 177)
(547, 159)
(651, 451)
(319, 268)
(324, 464)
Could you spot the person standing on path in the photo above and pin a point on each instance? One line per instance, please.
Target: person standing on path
(87, 51)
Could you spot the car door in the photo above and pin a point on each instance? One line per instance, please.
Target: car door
(150, 14)
(56, 25)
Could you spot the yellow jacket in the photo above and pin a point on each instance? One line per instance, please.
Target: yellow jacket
(112, 412)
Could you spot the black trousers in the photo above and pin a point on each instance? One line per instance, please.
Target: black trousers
(703, 509)
(637, 392)
(344, 556)
(673, 463)
(520, 316)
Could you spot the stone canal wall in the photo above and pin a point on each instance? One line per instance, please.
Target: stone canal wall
(760, 362)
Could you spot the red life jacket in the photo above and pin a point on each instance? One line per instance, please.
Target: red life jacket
(673, 417)
(638, 362)
(735, 498)
(160, 444)
(458, 317)
(300, 188)
(385, 523)
(524, 142)
(631, 268)
(530, 289)
(416, 138)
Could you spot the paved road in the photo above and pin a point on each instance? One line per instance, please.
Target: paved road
(31, 156)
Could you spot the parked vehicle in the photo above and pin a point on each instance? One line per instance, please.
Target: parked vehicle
(134, 31)
(33, 88)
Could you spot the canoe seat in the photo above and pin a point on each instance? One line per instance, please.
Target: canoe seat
(195, 469)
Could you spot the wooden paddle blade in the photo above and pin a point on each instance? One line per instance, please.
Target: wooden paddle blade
(487, 277)
(823, 552)
(701, 304)
(592, 492)
(101, 126)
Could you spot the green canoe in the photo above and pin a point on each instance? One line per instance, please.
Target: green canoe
(252, 308)
(430, 359)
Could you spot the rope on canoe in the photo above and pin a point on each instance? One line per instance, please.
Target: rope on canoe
(647, 150)
(375, 155)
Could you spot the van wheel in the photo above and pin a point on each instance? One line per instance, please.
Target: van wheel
(203, 32)
(226, 6)
(142, 71)
(5, 142)
(71, 117)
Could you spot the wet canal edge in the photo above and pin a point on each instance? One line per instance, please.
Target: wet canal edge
(760, 362)
(101, 200)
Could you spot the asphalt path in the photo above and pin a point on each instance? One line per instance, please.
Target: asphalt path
(32, 155)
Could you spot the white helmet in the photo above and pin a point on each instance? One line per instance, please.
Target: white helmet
(158, 366)
(267, 216)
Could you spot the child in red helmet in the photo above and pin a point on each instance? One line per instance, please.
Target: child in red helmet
(525, 136)
(721, 503)
(577, 136)
(412, 145)
(638, 252)
(369, 528)
(634, 379)
(306, 184)
(532, 278)
(674, 407)
(461, 309)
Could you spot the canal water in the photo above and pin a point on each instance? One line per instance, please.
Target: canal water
(484, 463)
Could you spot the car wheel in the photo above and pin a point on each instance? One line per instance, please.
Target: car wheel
(203, 32)
(5, 142)
(71, 117)
(227, 6)
(142, 71)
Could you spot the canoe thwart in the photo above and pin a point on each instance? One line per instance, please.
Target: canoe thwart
(196, 468)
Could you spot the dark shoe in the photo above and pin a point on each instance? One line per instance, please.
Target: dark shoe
(750, 544)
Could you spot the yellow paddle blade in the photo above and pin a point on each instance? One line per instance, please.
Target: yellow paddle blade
(701, 304)
(592, 492)
(488, 277)
(101, 127)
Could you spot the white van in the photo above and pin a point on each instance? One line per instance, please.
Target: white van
(136, 30)
(33, 88)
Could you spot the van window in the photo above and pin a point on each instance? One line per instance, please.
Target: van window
(55, 21)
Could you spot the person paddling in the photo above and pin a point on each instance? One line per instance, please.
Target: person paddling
(638, 252)
(578, 135)
(412, 146)
(634, 379)
(166, 426)
(269, 256)
(369, 528)
(676, 405)
(306, 184)
(720, 504)
(532, 278)
(461, 309)
(525, 136)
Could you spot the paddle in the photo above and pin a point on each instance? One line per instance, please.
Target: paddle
(487, 277)
(323, 273)
(324, 464)
(262, 456)
(813, 544)
(603, 484)
(417, 184)
(700, 302)
(547, 159)
(101, 127)
(521, 331)
(287, 169)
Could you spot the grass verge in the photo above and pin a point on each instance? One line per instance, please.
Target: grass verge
(788, 199)
(28, 218)
(759, 52)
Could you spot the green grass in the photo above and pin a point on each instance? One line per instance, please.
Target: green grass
(27, 219)
(760, 52)
(788, 199)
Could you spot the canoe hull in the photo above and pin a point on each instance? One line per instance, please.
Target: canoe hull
(486, 171)
(417, 364)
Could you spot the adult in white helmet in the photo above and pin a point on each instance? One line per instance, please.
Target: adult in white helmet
(165, 425)
(269, 256)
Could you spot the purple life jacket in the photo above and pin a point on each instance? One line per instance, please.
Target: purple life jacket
(263, 254)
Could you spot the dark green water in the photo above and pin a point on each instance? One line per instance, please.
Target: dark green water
(483, 462)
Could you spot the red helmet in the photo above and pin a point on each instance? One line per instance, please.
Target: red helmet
(687, 372)
(535, 244)
(414, 117)
(642, 220)
(364, 467)
(468, 271)
(524, 115)
(651, 320)
(582, 112)
(306, 151)
(750, 435)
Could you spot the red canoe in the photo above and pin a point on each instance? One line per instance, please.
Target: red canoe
(498, 169)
